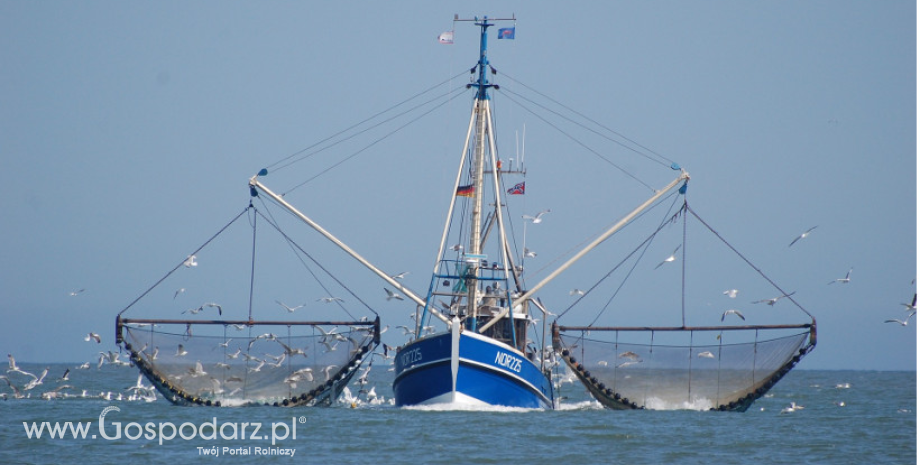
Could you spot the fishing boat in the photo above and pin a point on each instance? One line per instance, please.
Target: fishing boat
(482, 336)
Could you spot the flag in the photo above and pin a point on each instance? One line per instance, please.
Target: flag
(465, 191)
(518, 189)
(506, 33)
(446, 37)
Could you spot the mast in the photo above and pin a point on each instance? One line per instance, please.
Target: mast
(478, 164)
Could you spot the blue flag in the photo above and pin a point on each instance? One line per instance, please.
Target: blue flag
(506, 33)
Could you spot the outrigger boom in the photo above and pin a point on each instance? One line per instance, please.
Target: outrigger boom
(255, 184)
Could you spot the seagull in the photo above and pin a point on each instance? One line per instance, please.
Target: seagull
(266, 336)
(289, 309)
(258, 367)
(536, 218)
(190, 261)
(792, 407)
(13, 366)
(36, 380)
(178, 291)
(329, 299)
(773, 300)
(197, 371)
(843, 280)
(156, 351)
(181, 352)
(83, 366)
(406, 330)
(400, 275)
(225, 345)
(671, 258)
(76, 293)
(327, 370)
(904, 321)
(576, 291)
(732, 312)
(392, 295)
(802, 236)
(629, 355)
(705, 354)
(456, 247)
(220, 311)
(66, 375)
(529, 253)
(911, 306)
(235, 354)
(94, 337)
(731, 293)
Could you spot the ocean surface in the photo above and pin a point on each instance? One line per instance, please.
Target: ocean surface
(847, 417)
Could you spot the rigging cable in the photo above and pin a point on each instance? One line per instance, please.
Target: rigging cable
(648, 150)
(293, 244)
(761, 273)
(375, 142)
(448, 80)
(182, 262)
(574, 139)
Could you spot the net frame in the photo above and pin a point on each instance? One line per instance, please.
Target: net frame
(604, 388)
(321, 393)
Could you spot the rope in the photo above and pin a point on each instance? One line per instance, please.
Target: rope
(761, 273)
(582, 144)
(291, 243)
(650, 151)
(252, 271)
(448, 80)
(180, 263)
(375, 142)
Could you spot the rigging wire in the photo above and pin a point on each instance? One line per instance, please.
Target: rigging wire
(666, 161)
(577, 141)
(273, 165)
(761, 273)
(291, 243)
(643, 245)
(180, 263)
(376, 141)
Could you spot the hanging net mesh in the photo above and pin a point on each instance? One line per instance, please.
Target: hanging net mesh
(627, 363)
(238, 363)
(708, 373)
(223, 355)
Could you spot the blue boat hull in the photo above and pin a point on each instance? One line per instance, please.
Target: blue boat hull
(483, 372)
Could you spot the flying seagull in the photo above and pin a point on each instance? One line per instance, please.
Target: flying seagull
(671, 258)
(392, 295)
(732, 312)
(576, 291)
(190, 261)
(903, 322)
(76, 292)
(773, 300)
(529, 253)
(802, 236)
(93, 337)
(289, 309)
(731, 293)
(329, 299)
(843, 280)
(178, 291)
(536, 218)
(400, 275)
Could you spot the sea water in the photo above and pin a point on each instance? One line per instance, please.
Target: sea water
(845, 417)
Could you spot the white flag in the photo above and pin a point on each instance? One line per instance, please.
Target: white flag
(446, 37)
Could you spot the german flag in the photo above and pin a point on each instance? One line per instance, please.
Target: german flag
(465, 191)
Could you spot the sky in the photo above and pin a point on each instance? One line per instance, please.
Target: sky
(128, 133)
